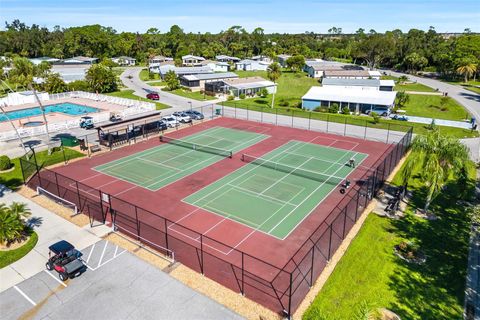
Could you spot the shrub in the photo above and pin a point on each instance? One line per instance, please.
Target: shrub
(242, 96)
(283, 103)
(320, 109)
(264, 93)
(5, 163)
(346, 110)
(375, 116)
(230, 98)
(333, 108)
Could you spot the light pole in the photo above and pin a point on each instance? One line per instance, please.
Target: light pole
(191, 108)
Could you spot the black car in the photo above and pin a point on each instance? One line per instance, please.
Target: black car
(162, 125)
(195, 115)
(65, 259)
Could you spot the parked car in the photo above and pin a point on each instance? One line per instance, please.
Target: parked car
(171, 121)
(380, 111)
(195, 115)
(153, 96)
(162, 125)
(182, 117)
(400, 117)
(65, 259)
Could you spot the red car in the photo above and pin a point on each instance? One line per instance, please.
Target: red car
(153, 96)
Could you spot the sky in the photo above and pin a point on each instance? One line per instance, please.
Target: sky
(292, 16)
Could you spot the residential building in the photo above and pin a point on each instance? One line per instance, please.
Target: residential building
(159, 59)
(198, 81)
(282, 59)
(216, 66)
(78, 60)
(238, 86)
(362, 84)
(356, 99)
(180, 71)
(155, 66)
(124, 61)
(37, 61)
(347, 74)
(72, 72)
(192, 61)
(316, 68)
(224, 58)
(251, 65)
(262, 59)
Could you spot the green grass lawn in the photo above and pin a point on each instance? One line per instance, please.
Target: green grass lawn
(128, 94)
(157, 83)
(291, 87)
(13, 179)
(413, 87)
(370, 272)
(431, 107)
(9, 257)
(195, 95)
(144, 75)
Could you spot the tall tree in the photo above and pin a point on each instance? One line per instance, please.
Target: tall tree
(172, 80)
(101, 79)
(466, 68)
(274, 71)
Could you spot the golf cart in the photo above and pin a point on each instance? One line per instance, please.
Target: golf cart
(114, 116)
(65, 259)
(86, 122)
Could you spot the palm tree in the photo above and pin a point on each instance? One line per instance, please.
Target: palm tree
(20, 210)
(467, 69)
(11, 227)
(274, 72)
(439, 158)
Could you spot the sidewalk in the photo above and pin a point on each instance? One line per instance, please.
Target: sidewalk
(51, 228)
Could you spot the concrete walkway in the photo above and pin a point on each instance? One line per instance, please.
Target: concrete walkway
(50, 228)
(472, 291)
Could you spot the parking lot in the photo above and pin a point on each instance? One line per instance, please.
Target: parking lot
(116, 285)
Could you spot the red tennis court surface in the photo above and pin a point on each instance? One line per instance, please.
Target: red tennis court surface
(276, 273)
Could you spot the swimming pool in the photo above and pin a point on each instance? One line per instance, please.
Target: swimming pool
(71, 109)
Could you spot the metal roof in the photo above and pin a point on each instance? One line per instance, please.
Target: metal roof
(339, 94)
(351, 82)
(210, 76)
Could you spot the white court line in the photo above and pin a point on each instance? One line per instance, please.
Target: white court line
(24, 295)
(158, 164)
(259, 195)
(91, 177)
(205, 244)
(90, 254)
(55, 278)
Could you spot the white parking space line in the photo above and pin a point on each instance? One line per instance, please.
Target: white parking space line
(104, 263)
(55, 278)
(90, 254)
(24, 295)
(103, 253)
(116, 250)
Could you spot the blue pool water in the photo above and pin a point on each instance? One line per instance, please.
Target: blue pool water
(67, 108)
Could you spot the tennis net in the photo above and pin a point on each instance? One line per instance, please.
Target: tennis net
(197, 147)
(313, 175)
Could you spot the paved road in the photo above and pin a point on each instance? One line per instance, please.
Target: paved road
(469, 99)
(131, 79)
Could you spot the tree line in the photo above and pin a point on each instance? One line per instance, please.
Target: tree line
(411, 51)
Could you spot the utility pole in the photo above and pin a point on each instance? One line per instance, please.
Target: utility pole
(44, 117)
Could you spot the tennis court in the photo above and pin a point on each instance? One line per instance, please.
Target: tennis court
(157, 167)
(274, 193)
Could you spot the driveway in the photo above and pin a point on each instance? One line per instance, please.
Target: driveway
(131, 79)
(469, 99)
(116, 285)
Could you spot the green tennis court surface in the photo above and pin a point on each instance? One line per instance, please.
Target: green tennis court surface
(157, 167)
(275, 193)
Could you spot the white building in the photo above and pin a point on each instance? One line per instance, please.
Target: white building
(216, 66)
(238, 86)
(251, 65)
(192, 61)
(224, 58)
(356, 99)
(262, 59)
(198, 81)
(351, 74)
(124, 61)
(159, 59)
(180, 71)
(362, 84)
(37, 61)
(282, 59)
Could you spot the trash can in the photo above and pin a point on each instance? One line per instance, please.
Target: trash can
(69, 141)
(218, 111)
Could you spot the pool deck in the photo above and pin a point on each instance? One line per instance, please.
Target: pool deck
(105, 107)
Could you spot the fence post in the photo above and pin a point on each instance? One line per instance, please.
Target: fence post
(309, 119)
(328, 117)
(243, 272)
(293, 111)
(345, 221)
(212, 111)
(289, 316)
(64, 156)
(261, 114)
(356, 207)
(276, 116)
(235, 108)
(78, 194)
(138, 223)
(330, 243)
(56, 183)
(388, 132)
(201, 255)
(365, 134)
(166, 233)
(247, 113)
(345, 127)
(311, 266)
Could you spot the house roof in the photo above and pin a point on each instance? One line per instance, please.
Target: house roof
(225, 57)
(387, 83)
(81, 59)
(339, 94)
(189, 56)
(351, 82)
(161, 58)
(125, 58)
(248, 61)
(248, 83)
(375, 73)
(185, 70)
(346, 73)
(210, 76)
